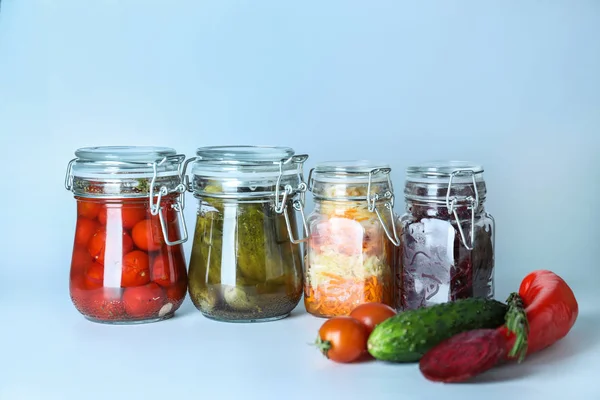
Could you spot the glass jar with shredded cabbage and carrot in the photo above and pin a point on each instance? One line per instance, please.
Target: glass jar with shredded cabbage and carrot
(352, 238)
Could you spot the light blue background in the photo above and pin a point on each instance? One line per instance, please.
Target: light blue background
(514, 85)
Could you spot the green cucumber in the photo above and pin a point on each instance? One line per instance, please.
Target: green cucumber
(407, 336)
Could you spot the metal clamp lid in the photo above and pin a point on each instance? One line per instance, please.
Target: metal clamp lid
(371, 199)
(298, 203)
(451, 202)
(388, 196)
(155, 208)
(281, 193)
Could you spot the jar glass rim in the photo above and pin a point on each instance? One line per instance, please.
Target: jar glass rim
(244, 154)
(443, 168)
(349, 167)
(125, 154)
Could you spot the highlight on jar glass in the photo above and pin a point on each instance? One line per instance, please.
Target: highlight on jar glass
(352, 238)
(447, 250)
(246, 263)
(128, 264)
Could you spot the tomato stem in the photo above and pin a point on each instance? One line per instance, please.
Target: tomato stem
(323, 346)
(516, 323)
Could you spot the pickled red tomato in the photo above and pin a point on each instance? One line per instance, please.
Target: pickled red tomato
(84, 230)
(143, 301)
(131, 214)
(165, 269)
(97, 245)
(147, 235)
(80, 260)
(167, 211)
(88, 209)
(135, 269)
(103, 304)
(94, 276)
(177, 291)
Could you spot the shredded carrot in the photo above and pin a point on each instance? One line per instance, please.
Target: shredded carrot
(352, 213)
(340, 295)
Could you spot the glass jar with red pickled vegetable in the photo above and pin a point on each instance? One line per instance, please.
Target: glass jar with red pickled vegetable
(447, 250)
(352, 237)
(246, 263)
(128, 264)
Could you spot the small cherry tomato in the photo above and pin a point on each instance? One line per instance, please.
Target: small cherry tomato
(163, 270)
(372, 314)
(177, 291)
(167, 211)
(143, 301)
(84, 230)
(103, 304)
(80, 260)
(98, 247)
(94, 276)
(342, 339)
(88, 208)
(135, 269)
(147, 235)
(130, 214)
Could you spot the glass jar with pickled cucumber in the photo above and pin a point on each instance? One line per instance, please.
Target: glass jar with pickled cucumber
(246, 263)
(353, 238)
(128, 264)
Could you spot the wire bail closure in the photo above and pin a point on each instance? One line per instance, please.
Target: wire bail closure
(388, 196)
(474, 205)
(155, 208)
(298, 203)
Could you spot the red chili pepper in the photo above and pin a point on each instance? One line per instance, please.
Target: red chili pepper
(551, 310)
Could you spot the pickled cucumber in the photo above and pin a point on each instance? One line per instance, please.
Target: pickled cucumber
(262, 276)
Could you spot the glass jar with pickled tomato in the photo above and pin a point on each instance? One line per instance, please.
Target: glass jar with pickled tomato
(447, 250)
(246, 263)
(352, 238)
(128, 264)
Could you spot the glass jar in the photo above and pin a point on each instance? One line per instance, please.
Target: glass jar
(352, 237)
(246, 263)
(447, 236)
(128, 264)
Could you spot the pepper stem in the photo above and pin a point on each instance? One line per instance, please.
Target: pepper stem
(516, 323)
(323, 345)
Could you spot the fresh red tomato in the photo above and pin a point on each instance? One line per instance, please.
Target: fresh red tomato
(84, 230)
(372, 314)
(147, 235)
(143, 301)
(135, 269)
(104, 304)
(88, 208)
(131, 214)
(98, 247)
(342, 339)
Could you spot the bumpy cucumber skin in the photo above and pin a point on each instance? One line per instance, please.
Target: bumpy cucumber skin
(406, 337)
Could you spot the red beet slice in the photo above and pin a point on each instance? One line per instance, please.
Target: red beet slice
(463, 356)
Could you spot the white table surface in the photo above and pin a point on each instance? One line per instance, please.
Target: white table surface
(51, 352)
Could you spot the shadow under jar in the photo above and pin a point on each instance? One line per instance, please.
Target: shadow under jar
(352, 238)
(447, 250)
(128, 264)
(246, 263)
